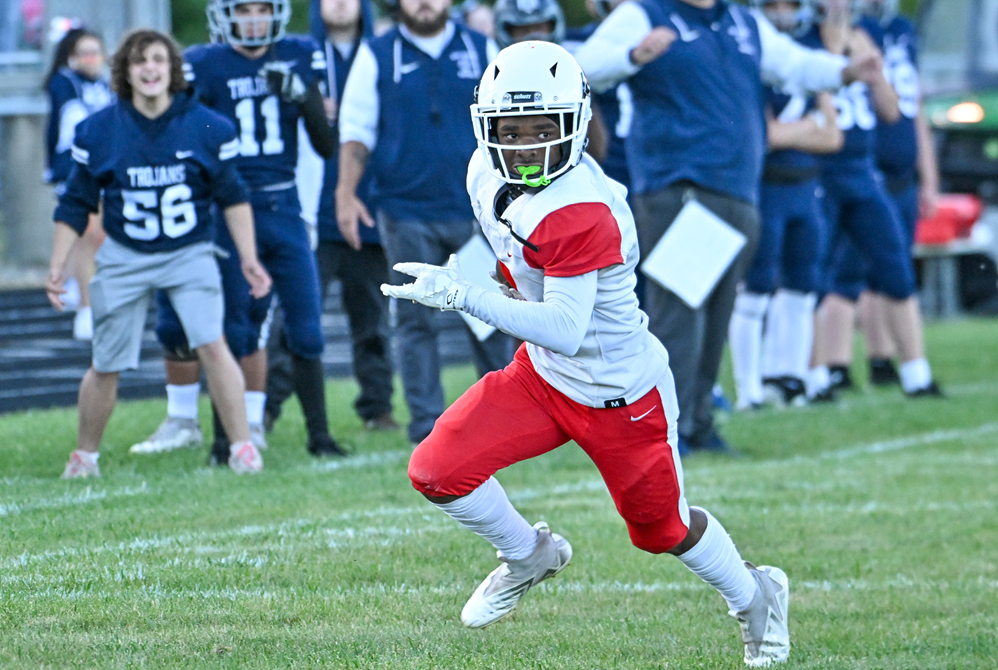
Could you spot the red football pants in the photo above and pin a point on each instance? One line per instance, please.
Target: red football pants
(511, 415)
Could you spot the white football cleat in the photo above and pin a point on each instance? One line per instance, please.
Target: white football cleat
(764, 622)
(496, 597)
(80, 466)
(258, 436)
(245, 459)
(172, 434)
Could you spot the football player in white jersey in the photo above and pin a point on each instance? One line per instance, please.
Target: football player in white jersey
(589, 370)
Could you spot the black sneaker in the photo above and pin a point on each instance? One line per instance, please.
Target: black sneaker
(324, 445)
(883, 372)
(840, 378)
(823, 397)
(930, 391)
(714, 444)
(219, 455)
(784, 391)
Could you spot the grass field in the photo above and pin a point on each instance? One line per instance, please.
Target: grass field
(881, 510)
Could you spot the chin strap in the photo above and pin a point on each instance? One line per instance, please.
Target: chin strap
(527, 170)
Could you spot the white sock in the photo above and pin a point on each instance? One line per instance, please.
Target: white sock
(745, 338)
(182, 400)
(797, 333)
(88, 456)
(487, 512)
(818, 380)
(915, 375)
(255, 400)
(715, 560)
(772, 339)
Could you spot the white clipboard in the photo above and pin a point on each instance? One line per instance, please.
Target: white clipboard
(693, 254)
(477, 260)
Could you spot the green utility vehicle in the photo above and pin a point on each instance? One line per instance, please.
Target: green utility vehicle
(958, 63)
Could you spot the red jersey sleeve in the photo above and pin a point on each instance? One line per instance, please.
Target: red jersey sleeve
(574, 240)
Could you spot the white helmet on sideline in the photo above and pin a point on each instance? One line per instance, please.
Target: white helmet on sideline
(527, 79)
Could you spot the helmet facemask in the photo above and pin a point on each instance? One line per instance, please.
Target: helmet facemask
(230, 27)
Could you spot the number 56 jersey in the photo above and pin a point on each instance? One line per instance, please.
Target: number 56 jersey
(578, 224)
(229, 83)
(158, 176)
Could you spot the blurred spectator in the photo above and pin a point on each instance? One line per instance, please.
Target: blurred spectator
(520, 20)
(136, 143)
(696, 68)
(478, 16)
(76, 90)
(403, 116)
(339, 25)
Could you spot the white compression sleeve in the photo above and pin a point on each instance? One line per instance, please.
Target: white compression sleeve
(558, 323)
(488, 512)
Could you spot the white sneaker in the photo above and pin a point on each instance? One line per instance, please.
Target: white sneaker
(496, 597)
(764, 622)
(80, 466)
(245, 459)
(83, 324)
(172, 434)
(257, 436)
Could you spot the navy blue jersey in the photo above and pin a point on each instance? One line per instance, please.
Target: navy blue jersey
(617, 107)
(857, 116)
(897, 143)
(419, 165)
(72, 98)
(698, 107)
(229, 83)
(789, 108)
(157, 177)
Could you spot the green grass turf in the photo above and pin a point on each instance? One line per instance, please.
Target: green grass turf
(882, 511)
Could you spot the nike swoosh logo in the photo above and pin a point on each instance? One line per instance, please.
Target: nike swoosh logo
(181, 155)
(638, 418)
(406, 68)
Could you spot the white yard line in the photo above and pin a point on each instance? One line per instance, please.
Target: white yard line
(551, 588)
(85, 497)
(288, 528)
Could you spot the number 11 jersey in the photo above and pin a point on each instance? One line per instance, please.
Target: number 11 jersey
(229, 83)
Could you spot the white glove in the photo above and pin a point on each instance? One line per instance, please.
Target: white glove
(283, 82)
(435, 286)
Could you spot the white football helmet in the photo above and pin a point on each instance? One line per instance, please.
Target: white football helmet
(881, 10)
(796, 23)
(527, 79)
(224, 25)
(517, 13)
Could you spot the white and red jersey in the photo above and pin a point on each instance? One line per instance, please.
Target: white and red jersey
(580, 223)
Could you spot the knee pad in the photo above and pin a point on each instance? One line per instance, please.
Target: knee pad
(170, 332)
(849, 289)
(304, 339)
(658, 537)
(427, 475)
(895, 282)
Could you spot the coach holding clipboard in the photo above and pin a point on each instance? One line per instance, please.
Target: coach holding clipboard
(696, 69)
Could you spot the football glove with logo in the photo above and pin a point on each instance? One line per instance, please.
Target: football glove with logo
(283, 82)
(441, 287)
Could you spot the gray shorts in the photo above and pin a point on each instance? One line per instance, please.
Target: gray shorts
(124, 284)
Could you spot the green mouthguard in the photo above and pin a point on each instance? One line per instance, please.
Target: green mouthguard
(527, 170)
